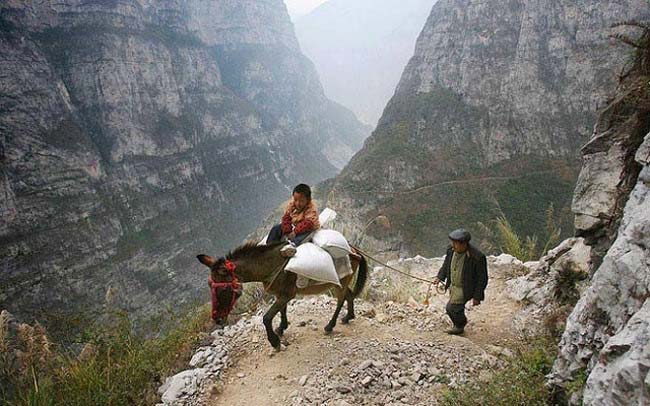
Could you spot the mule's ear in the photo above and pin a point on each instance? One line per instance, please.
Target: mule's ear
(206, 260)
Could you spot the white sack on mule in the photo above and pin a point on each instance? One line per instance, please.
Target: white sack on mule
(333, 242)
(314, 263)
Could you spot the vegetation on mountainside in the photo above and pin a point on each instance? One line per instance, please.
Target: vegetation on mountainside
(117, 365)
(403, 141)
(425, 216)
(6, 26)
(115, 362)
(77, 37)
(631, 107)
(521, 382)
(423, 169)
(500, 237)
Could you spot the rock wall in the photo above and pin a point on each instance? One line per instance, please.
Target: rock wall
(606, 335)
(136, 134)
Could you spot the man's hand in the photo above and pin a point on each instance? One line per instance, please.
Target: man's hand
(291, 235)
(476, 302)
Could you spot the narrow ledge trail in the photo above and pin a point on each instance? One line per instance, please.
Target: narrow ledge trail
(391, 354)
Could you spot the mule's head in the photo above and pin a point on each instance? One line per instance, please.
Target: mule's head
(224, 286)
(217, 266)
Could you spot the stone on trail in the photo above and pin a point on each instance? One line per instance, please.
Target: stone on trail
(365, 364)
(343, 389)
(366, 381)
(183, 384)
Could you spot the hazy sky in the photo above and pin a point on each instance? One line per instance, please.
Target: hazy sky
(299, 8)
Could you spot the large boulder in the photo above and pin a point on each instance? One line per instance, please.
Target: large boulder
(551, 287)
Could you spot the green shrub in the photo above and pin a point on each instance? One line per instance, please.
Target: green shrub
(118, 366)
(6, 26)
(578, 383)
(500, 236)
(520, 382)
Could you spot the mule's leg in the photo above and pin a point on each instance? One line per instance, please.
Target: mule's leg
(268, 321)
(284, 323)
(350, 315)
(340, 293)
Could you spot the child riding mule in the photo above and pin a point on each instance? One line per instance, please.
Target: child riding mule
(263, 263)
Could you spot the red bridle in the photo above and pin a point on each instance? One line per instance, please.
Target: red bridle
(234, 285)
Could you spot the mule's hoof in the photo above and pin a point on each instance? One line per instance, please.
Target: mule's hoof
(346, 319)
(277, 349)
(328, 329)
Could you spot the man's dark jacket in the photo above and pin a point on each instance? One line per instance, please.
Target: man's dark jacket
(475, 277)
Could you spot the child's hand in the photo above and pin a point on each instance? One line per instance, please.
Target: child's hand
(291, 235)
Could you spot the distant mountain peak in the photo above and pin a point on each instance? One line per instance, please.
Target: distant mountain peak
(360, 48)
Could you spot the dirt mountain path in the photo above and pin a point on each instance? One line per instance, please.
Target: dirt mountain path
(480, 179)
(392, 353)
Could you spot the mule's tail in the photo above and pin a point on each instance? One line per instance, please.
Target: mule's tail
(362, 276)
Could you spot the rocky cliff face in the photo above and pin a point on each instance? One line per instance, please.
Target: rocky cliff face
(137, 133)
(487, 120)
(607, 333)
(603, 355)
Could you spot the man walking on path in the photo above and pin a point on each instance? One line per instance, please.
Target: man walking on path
(465, 275)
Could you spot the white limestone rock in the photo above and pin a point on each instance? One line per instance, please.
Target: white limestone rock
(181, 386)
(607, 333)
(542, 290)
(504, 265)
(621, 374)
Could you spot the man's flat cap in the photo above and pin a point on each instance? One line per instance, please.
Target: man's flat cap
(460, 235)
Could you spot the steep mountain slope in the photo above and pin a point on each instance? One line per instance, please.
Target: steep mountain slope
(360, 48)
(137, 133)
(487, 120)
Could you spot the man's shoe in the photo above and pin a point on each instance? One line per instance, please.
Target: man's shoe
(288, 251)
(455, 331)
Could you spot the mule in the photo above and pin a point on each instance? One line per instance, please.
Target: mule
(263, 263)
